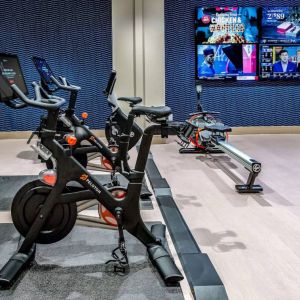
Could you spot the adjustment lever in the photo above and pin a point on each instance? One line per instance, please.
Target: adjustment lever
(35, 132)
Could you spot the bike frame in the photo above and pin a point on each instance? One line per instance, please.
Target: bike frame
(69, 169)
(115, 158)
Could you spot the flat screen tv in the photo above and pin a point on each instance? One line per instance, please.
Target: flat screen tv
(280, 25)
(280, 62)
(226, 25)
(234, 61)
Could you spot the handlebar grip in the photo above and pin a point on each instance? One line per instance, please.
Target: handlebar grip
(15, 105)
(20, 94)
(37, 90)
(64, 85)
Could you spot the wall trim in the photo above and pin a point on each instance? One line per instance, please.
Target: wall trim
(159, 140)
(266, 130)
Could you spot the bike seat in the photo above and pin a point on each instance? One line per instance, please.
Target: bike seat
(218, 128)
(132, 100)
(154, 111)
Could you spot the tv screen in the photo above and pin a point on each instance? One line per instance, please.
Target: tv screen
(280, 62)
(226, 25)
(235, 61)
(280, 25)
(11, 73)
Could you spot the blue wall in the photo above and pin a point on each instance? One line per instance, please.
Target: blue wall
(76, 38)
(240, 104)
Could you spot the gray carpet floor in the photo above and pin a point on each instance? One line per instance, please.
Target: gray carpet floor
(75, 268)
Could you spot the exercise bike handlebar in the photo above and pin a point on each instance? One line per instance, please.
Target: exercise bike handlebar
(63, 84)
(15, 105)
(51, 103)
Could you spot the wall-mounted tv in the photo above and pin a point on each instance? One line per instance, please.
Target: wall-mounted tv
(280, 25)
(220, 61)
(280, 62)
(226, 25)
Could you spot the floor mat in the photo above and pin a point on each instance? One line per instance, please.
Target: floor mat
(74, 268)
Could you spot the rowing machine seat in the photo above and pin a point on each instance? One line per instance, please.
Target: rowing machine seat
(218, 128)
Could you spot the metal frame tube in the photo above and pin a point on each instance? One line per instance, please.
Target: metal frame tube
(249, 163)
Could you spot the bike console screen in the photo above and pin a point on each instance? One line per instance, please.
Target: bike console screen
(10, 73)
(111, 83)
(44, 69)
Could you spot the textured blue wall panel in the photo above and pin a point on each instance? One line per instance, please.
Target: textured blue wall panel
(241, 103)
(76, 38)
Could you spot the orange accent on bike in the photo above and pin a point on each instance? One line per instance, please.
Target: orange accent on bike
(84, 177)
(107, 216)
(84, 115)
(71, 140)
(106, 163)
(49, 179)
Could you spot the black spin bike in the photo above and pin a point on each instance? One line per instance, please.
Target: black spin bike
(45, 212)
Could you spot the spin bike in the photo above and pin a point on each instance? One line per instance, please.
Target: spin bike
(68, 122)
(114, 124)
(205, 133)
(45, 212)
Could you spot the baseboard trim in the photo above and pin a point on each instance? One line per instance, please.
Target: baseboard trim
(159, 140)
(266, 130)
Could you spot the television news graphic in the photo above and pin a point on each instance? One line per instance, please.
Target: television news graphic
(226, 25)
(280, 25)
(234, 61)
(280, 62)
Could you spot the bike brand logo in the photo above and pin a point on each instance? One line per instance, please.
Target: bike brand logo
(85, 178)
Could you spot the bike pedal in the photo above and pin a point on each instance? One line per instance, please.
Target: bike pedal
(120, 269)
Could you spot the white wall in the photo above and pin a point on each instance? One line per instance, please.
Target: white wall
(138, 49)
